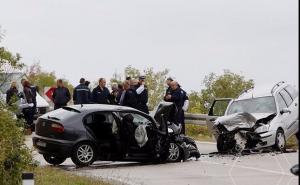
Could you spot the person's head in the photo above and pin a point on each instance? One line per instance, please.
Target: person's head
(126, 85)
(26, 83)
(102, 82)
(169, 80)
(120, 86)
(142, 79)
(174, 85)
(133, 82)
(114, 87)
(59, 83)
(128, 78)
(13, 85)
(82, 81)
(22, 81)
(87, 83)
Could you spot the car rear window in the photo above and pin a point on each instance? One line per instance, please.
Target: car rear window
(61, 114)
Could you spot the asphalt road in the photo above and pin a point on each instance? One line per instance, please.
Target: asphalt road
(266, 169)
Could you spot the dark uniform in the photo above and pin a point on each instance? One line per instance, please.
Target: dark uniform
(61, 96)
(168, 92)
(142, 100)
(129, 98)
(82, 94)
(101, 96)
(29, 111)
(178, 97)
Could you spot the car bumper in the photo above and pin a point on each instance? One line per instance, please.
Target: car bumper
(268, 139)
(51, 146)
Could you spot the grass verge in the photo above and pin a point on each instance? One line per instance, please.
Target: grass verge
(55, 176)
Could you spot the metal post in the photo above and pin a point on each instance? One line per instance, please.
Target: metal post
(28, 178)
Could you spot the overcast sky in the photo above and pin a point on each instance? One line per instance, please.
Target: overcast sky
(95, 38)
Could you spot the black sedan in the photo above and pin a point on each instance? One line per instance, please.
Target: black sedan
(110, 133)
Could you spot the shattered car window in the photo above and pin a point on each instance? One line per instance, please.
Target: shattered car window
(254, 105)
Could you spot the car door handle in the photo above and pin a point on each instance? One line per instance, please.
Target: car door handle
(296, 104)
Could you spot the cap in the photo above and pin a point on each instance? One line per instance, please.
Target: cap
(169, 78)
(142, 77)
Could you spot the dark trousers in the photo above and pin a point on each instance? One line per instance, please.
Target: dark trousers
(29, 117)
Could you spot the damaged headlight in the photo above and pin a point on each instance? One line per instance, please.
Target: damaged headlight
(261, 129)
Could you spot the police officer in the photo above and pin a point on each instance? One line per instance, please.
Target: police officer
(82, 93)
(101, 93)
(142, 95)
(169, 90)
(129, 96)
(178, 97)
(61, 95)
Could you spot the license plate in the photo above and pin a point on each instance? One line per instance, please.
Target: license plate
(41, 143)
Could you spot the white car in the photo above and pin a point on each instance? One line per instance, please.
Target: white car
(281, 102)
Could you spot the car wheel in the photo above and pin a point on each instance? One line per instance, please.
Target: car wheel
(280, 142)
(174, 153)
(54, 160)
(83, 154)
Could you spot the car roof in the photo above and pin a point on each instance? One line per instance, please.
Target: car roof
(100, 107)
(262, 91)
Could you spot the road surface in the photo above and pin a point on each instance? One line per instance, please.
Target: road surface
(210, 169)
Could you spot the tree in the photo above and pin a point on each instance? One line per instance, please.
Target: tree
(9, 63)
(227, 85)
(43, 79)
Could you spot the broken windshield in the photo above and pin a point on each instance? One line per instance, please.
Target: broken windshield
(254, 105)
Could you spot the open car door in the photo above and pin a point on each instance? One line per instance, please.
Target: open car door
(217, 109)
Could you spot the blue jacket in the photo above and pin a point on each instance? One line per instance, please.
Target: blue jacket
(82, 94)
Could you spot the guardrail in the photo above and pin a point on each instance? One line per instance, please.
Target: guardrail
(195, 119)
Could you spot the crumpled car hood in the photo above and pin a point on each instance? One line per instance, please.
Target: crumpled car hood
(240, 120)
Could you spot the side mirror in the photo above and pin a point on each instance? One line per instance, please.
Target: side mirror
(285, 110)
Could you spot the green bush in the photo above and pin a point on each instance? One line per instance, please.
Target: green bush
(15, 157)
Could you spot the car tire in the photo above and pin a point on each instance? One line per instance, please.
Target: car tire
(175, 153)
(54, 160)
(280, 141)
(84, 154)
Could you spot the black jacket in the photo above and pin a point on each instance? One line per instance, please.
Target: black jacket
(142, 100)
(82, 94)
(10, 93)
(130, 99)
(101, 96)
(61, 96)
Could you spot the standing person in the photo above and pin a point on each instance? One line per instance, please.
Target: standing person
(29, 111)
(82, 93)
(61, 95)
(142, 95)
(178, 97)
(101, 93)
(114, 94)
(34, 90)
(120, 91)
(128, 97)
(11, 93)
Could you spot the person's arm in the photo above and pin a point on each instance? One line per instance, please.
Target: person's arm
(74, 96)
(8, 96)
(144, 98)
(140, 89)
(54, 95)
(68, 95)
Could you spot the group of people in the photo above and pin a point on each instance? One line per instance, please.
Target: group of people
(132, 93)
(129, 93)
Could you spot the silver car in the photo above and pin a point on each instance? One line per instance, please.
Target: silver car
(272, 115)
